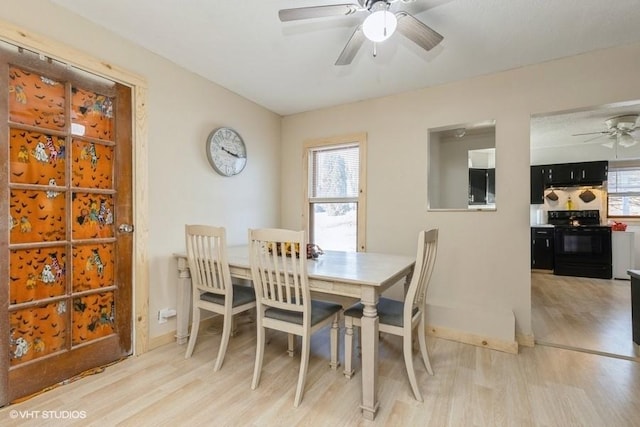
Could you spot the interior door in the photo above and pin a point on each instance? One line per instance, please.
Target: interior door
(66, 255)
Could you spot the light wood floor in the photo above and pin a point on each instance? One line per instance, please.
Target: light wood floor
(590, 314)
(541, 386)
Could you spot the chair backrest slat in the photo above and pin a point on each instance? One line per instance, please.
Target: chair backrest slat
(280, 277)
(425, 261)
(206, 253)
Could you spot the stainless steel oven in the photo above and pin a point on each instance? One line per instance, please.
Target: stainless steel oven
(582, 245)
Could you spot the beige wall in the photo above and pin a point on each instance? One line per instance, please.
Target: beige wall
(481, 285)
(482, 274)
(182, 108)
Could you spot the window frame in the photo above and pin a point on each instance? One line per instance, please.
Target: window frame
(357, 139)
(620, 166)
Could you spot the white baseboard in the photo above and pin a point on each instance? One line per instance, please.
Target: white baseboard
(169, 337)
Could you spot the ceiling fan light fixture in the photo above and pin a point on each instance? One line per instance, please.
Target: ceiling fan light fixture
(623, 123)
(380, 24)
(625, 140)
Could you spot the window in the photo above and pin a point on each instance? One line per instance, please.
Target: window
(335, 192)
(623, 189)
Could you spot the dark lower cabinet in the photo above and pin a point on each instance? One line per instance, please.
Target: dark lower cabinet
(542, 248)
(477, 186)
(482, 186)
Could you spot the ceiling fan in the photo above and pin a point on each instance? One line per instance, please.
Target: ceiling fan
(378, 26)
(619, 129)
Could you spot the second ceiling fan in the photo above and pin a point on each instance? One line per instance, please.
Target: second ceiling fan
(619, 129)
(378, 26)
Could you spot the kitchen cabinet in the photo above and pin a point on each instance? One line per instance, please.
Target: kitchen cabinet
(578, 173)
(482, 184)
(622, 253)
(593, 172)
(542, 248)
(538, 180)
(567, 174)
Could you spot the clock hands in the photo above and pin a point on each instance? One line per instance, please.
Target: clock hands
(230, 152)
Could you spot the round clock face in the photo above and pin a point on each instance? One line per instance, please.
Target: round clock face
(226, 151)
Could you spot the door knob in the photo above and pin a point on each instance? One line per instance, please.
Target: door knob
(125, 228)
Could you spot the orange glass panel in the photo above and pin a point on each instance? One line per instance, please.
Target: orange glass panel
(36, 216)
(93, 317)
(36, 274)
(91, 114)
(37, 331)
(92, 216)
(35, 100)
(93, 266)
(36, 158)
(92, 165)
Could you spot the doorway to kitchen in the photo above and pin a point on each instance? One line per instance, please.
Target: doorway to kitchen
(582, 313)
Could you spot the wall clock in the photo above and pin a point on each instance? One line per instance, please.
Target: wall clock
(226, 151)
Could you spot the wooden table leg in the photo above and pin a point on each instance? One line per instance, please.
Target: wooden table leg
(369, 339)
(183, 304)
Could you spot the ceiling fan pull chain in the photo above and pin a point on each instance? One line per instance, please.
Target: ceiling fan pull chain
(375, 49)
(385, 23)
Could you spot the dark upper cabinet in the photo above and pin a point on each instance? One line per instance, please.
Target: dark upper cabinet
(562, 174)
(578, 173)
(537, 184)
(567, 174)
(593, 172)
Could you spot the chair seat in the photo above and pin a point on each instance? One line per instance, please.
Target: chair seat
(389, 311)
(241, 295)
(320, 310)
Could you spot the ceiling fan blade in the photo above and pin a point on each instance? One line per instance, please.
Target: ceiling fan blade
(352, 47)
(608, 144)
(604, 132)
(593, 139)
(317, 12)
(417, 32)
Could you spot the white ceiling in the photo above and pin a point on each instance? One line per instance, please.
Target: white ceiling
(289, 67)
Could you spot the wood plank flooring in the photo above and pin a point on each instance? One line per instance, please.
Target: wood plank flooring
(472, 386)
(590, 314)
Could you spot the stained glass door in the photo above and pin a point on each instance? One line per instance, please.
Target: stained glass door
(67, 177)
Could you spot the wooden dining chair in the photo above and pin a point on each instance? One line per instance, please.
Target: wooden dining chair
(283, 298)
(212, 288)
(401, 318)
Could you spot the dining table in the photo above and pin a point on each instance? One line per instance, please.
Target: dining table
(359, 275)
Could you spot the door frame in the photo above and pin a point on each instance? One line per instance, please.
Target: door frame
(40, 44)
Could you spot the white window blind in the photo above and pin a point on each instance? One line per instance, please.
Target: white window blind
(335, 173)
(623, 187)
